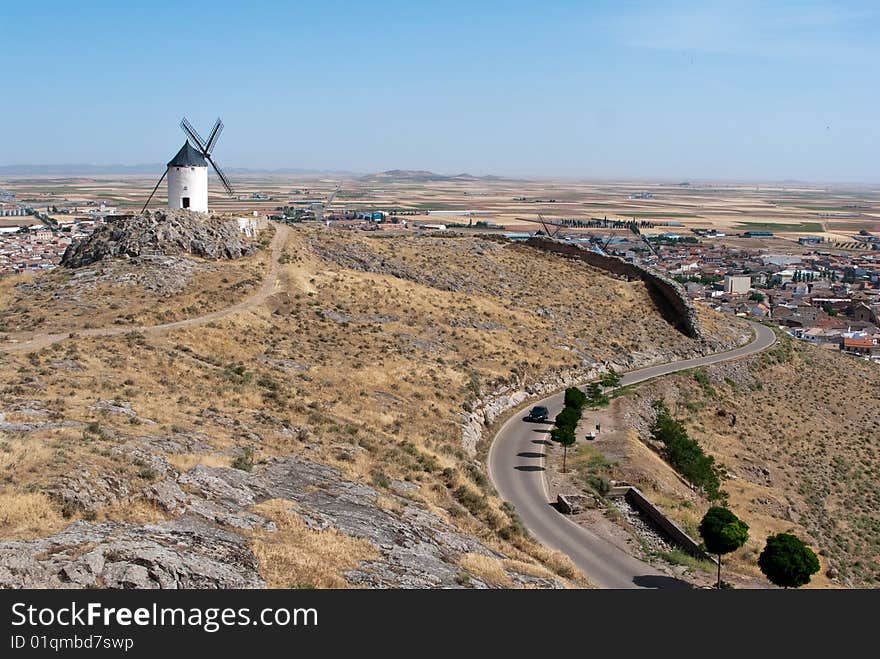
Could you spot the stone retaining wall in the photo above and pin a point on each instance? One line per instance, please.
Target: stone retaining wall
(640, 502)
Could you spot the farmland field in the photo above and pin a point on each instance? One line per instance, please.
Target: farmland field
(512, 203)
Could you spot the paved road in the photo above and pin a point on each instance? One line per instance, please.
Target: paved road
(270, 285)
(516, 468)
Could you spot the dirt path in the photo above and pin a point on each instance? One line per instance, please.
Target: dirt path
(17, 343)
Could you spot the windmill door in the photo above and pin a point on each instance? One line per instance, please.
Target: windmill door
(184, 202)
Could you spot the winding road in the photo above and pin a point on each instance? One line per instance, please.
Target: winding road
(515, 465)
(270, 285)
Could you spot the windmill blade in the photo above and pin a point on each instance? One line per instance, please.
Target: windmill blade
(214, 136)
(333, 195)
(191, 133)
(543, 224)
(161, 178)
(222, 176)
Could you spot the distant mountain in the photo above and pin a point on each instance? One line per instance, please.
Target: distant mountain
(423, 176)
(296, 171)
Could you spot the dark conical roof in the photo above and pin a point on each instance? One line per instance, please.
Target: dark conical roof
(188, 157)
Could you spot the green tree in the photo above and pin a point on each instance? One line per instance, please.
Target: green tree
(722, 533)
(684, 453)
(574, 397)
(787, 561)
(595, 396)
(568, 418)
(564, 435)
(757, 297)
(610, 379)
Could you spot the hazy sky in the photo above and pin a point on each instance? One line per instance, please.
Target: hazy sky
(732, 90)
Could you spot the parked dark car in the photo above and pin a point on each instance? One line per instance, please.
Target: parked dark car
(538, 413)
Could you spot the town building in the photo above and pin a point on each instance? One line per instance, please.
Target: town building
(737, 283)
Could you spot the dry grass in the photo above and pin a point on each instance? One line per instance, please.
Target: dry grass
(366, 371)
(121, 294)
(135, 512)
(487, 568)
(296, 556)
(27, 515)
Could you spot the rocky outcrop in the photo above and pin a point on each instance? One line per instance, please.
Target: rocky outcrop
(207, 544)
(187, 553)
(88, 492)
(164, 232)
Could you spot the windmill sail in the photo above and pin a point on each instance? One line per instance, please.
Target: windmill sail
(207, 146)
(221, 176)
(193, 136)
(214, 136)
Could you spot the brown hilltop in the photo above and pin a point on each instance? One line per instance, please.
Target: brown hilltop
(317, 419)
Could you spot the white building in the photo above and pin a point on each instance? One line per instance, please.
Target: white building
(737, 283)
(188, 180)
(248, 226)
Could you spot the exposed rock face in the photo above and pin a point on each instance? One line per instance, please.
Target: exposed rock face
(163, 232)
(207, 546)
(183, 554)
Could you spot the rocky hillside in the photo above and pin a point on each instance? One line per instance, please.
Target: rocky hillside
(313, 439)
(795, 431)
(162, 232)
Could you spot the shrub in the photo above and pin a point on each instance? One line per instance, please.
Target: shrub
(610, 379)
(685, 454)
(470, 499)
(599, 484)
(147, 473)
(703, 380)
(245, 460)
(595, 396)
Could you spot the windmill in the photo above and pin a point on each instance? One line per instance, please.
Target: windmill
(320, 206)
(635, 229)
(546, 224)
(187, 171)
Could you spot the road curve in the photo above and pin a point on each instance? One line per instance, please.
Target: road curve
(29, 342)
(515, 465)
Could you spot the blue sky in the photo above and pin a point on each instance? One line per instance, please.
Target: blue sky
(735, 90)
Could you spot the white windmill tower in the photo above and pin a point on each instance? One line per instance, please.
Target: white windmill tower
(187, 171)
